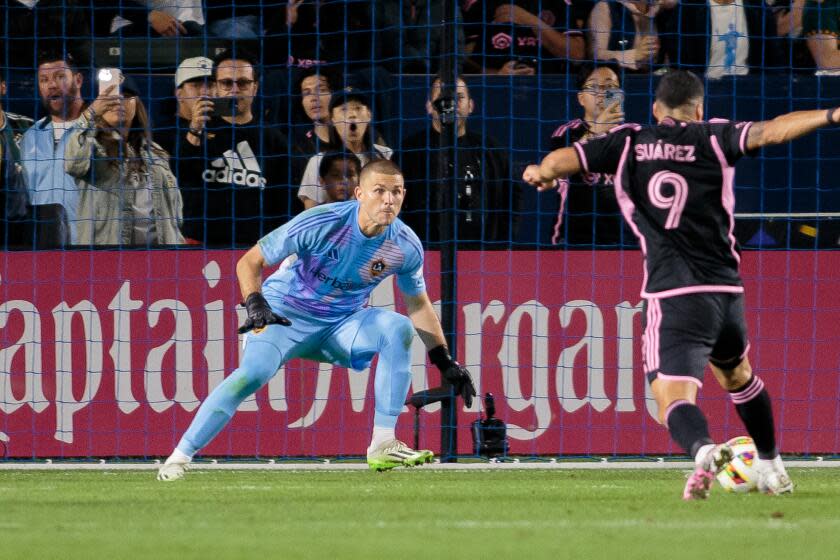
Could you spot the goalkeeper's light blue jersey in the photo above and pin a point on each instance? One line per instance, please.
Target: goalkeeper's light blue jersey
(337, 267)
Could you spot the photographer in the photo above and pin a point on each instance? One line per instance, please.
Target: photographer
(233, 170)
(129, 195)
(486, 200)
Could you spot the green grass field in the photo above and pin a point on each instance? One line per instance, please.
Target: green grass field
(586, 514)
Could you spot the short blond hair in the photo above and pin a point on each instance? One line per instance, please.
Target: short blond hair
(383, 166)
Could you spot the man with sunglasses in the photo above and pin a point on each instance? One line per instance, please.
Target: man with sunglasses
(234, 169)
(588, 213)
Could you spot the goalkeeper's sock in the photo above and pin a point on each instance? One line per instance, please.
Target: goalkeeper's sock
(752, 401)
(688, 426)
(380, 436)
(178, 456)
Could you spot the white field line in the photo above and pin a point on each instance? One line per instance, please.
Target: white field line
(436, 466)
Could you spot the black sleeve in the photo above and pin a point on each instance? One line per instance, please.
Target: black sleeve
(731, 138)
(602, 153)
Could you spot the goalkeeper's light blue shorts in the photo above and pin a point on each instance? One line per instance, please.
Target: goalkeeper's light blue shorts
(348, 341)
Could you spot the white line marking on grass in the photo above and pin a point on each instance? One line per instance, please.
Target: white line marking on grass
(294, 466)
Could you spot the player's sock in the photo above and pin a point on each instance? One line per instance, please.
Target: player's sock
(688, 426)
(774, 464)
(756, 411)
(179, 456)
(381, 434)
(700, 458)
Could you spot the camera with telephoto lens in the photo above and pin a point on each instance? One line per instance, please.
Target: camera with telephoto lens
(490, 434)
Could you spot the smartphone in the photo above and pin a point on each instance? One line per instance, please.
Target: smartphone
(224, 106)
(108, 77)
(614, 95)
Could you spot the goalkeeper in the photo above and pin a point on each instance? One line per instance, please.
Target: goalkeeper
(316, 309)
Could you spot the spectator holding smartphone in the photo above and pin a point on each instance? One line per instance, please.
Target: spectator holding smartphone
(130, 196)
(588, 216)
(194, 87)
(233, 169)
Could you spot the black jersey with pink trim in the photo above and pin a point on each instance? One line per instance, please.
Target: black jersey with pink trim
(588, 212)
(675, 185)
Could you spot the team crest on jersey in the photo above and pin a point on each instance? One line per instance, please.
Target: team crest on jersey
(377, 267)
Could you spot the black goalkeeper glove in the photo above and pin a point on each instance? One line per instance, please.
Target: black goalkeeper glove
(454, 373)
(260, 314)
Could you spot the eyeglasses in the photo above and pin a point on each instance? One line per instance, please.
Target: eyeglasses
(599, 90)
(228, 84)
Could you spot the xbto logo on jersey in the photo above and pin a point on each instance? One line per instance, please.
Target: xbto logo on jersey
(239, 167)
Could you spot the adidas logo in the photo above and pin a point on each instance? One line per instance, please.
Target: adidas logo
(239, 167)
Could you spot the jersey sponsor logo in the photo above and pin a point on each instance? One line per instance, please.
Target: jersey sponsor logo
(501, 41)
(596, 178)
(377, 267)
(660, 151)
(332, 280)
(238, 167)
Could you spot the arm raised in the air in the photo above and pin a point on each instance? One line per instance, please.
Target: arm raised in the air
(790, 126)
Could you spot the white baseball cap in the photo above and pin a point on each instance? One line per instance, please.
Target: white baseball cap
(193, 69)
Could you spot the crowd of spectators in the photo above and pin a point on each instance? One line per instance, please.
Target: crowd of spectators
(227, 168)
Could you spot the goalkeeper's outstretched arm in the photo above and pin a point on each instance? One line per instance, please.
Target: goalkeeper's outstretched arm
(790, 126)
(559, 164)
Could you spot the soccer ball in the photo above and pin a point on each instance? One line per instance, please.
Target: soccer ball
(740, 475)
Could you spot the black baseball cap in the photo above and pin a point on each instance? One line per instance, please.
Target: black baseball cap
(347, 95)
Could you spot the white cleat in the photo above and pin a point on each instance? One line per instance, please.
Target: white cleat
(774, 483)
(172, 470)
(394, 453)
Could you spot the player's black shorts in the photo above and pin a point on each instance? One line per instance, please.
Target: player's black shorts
(682, 334)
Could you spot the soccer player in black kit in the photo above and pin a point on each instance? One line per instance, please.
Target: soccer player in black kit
(675, 186)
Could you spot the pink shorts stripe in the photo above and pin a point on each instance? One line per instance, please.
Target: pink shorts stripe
(748, 394)
(650, 338)
(710, 289)
(666, 377)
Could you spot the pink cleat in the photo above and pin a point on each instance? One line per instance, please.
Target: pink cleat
(698, 485)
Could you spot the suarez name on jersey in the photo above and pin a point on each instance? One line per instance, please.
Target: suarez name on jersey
(675, 185)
